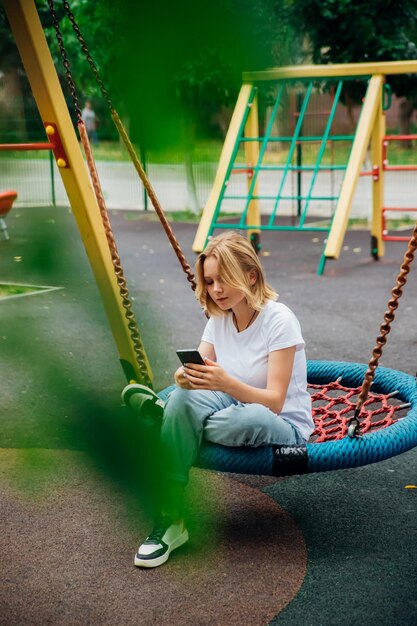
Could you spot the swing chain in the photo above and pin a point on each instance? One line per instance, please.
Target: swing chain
(118, 269)
(117, 265)
(65, 61)
(389, 316)
(87, 54)
(131, 150)
(154, 199)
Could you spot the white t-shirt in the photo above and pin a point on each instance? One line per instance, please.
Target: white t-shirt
(244, 355)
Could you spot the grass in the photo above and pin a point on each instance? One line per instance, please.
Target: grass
(7, 290)
(114, 151)
(209, 150)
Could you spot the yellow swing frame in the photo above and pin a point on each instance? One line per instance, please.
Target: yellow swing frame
(37, 60)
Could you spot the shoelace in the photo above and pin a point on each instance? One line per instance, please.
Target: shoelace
(157, 534)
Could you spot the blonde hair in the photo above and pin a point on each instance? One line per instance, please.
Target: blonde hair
(236, 258)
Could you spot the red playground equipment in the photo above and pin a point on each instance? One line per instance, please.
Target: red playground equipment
(6, 202)
(396, 168)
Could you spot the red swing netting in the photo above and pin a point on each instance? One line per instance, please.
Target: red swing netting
(334, 406)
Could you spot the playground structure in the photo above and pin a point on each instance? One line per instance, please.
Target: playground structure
(88, 207)
(6, 202)
(387, 210)
(50, 100)
(268, 185)
(34, 147)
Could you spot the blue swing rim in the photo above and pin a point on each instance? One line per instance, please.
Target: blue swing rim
(372, 447)
(332, 455)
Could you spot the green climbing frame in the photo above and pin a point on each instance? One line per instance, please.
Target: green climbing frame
(273, 189)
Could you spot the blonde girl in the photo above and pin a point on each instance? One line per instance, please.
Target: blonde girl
(252, 390)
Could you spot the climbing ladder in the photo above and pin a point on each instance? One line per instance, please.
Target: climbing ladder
(263, 205)
(411, 169)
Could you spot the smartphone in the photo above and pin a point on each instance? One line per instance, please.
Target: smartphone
(190, 356)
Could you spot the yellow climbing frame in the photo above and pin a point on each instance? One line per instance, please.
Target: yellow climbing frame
(372, 106)
(244, 101)
(370, 130)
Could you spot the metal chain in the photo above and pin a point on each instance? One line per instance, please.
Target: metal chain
(118, 270)
(87, 54)
(65, 60)
(389, 316)
(121, 281)
(155, 202)
(132, 152)
(393, 303)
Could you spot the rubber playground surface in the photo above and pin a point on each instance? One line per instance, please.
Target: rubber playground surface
(320, 549)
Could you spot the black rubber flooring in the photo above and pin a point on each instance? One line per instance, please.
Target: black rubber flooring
(61, 384)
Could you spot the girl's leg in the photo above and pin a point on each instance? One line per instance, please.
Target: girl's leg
(249, 425)
(182, 428)
(181, 433)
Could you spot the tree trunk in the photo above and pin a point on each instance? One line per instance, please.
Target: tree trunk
(350, 108)
(189, 134)
(13, 123)
(405, 114)
(192, 197)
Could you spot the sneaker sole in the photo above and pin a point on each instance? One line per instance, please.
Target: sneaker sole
(160, 560)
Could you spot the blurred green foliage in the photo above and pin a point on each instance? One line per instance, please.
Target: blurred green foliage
(169, 68)
(7, 290)
(182, 63)
(173, 69)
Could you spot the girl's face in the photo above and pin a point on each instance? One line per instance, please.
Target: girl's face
(222, 294)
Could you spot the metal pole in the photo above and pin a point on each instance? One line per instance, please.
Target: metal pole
(51, 167)
(299, 101)
(145, 169)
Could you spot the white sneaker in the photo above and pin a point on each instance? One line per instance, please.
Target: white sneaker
(143, 400)
(164, 538)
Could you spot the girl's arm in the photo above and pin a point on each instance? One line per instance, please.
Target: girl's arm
(207, 350)
(215, 378)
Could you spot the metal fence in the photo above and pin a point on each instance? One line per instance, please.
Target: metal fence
(38, 183)
(36, 178)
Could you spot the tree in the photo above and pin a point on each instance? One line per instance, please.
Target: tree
(353, 31)
(183, 61)
(99, 24)
(12, 117)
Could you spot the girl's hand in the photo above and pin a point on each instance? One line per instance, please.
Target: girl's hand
(210, 376)
(181, 379)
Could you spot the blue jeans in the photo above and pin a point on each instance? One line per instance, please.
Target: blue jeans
(191, 415)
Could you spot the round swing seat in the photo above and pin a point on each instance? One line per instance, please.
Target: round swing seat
(386, 427)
